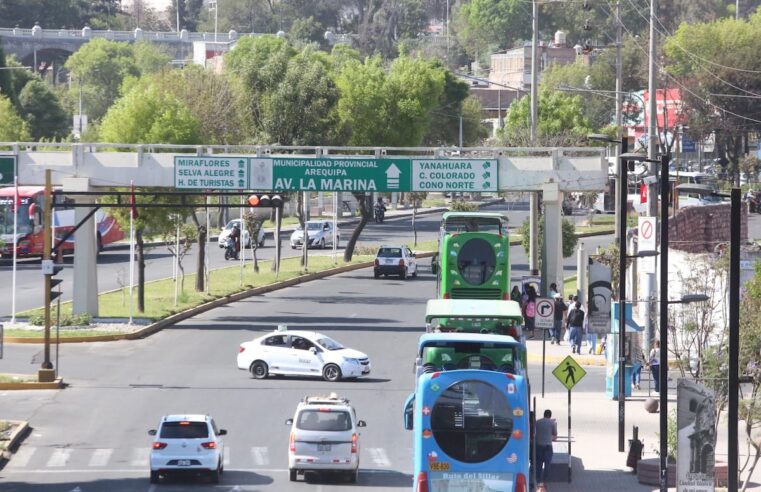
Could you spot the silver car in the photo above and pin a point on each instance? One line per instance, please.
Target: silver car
(320, 235)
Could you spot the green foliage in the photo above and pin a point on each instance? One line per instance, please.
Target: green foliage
(6, 83)
(455, 102)
(101, 66)
(148, 115)
(561, 120)
(463, 206)
(12, 127)
(484, 23)
(67, 319)
(568, 230)
(43, 112)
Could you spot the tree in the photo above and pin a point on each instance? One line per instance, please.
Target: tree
(561, 121)
(719, 58)
(6, 82)
(185, 242)
(455, 103)
(12, 127)
(481, 24)
(568, 230)
(101, 66)
(416, 198)
(43, 112)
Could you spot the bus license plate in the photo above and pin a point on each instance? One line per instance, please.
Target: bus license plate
(323, 447)
(183, 462)
(439, 466)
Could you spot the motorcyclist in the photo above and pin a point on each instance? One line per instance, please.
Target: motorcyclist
(380, 210)
(235, 238)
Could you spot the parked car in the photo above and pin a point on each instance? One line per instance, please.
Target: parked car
(225, 233)
(324, 437)
(188, 444)
(320, 234)
(301, 353)
(395, 260)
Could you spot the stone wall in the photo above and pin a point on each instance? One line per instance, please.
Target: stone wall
(699, 229)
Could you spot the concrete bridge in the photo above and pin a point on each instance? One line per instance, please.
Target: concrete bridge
(89, 167)
(37, 45)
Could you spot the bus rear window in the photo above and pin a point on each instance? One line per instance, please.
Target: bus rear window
(472, 421)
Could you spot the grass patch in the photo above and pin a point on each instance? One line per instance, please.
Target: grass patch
(14, 378)
(435, 202)
(569, 286)
(159, 294)
(594, 228)
(25, 333)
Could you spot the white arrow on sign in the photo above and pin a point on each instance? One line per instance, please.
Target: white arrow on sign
(392, 176)
(545, 313)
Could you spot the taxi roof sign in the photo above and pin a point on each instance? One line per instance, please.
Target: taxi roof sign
(569, 372)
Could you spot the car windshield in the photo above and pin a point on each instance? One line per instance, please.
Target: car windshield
(231, 224)
(390, 253)
(329, 343)
(184, 430)
(314, 226)
(321, 420)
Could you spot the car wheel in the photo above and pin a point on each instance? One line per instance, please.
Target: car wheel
(154, 477)
(322, 243)
(100, 243)
(403, 275)
(376, 274)
(293, 474)
(414, 274)
(331, 373)
(214, 476)
(259, 369)
(353, 476)
(261, 243)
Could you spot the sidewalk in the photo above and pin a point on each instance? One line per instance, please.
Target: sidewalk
(556, 353)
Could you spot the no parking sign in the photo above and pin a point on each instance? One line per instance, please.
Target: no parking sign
(646, 242)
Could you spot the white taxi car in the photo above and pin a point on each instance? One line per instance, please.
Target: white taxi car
(324, 437)
(301, 353)
(187, 444)
(320, 233)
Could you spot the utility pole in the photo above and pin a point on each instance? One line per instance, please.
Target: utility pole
(652, 155)
(534, 205)
(621, 187)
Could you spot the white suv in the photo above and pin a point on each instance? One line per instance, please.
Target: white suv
(395, 260)
(187, 444)
(324, 437)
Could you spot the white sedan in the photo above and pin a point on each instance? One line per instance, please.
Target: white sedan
(301, 353)
(222, 240)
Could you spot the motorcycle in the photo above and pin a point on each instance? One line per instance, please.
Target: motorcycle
(230, 253)
(754, 201)
(379, 214)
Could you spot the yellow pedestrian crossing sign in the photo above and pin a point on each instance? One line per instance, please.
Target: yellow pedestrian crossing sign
(569, 372)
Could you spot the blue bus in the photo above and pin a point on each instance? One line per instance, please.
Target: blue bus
(469, 415)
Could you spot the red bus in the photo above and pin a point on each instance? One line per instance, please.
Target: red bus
(29, 213)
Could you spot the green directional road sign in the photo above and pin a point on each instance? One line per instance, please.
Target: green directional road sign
(569, 372)
(7, 169)
(210, 172)
(454, 175)
(340, 174)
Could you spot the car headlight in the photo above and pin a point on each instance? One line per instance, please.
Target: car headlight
(351, 360)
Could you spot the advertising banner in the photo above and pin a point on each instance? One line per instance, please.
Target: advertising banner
(696, 437)
(599, 293)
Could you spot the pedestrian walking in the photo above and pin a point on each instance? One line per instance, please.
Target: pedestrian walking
(553, 290)
(559, 320)
(655, 364)
(546, 431)
(576, 326)
(529, 309)
(637, 363)
(515, 294)
(591, 337)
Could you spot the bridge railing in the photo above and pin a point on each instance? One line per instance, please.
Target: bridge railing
(87, 33)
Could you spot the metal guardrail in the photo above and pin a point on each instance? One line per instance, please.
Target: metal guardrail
(87, 33)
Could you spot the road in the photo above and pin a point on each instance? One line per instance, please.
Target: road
(113, 265)
(92, 435)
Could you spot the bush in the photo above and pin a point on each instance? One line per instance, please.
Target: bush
(568, 230)
(463, 206)
(37, 320)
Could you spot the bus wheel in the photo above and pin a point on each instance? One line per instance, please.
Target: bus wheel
(100, 243)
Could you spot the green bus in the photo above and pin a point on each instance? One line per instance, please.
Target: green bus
(473, 260)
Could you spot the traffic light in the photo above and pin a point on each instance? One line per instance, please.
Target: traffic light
(49, 269)
(274, 201)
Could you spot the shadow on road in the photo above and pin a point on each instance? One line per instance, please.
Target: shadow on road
(257, 329)
(368, 478)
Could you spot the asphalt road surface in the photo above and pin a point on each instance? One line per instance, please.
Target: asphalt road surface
(113, 265)
(92, 435)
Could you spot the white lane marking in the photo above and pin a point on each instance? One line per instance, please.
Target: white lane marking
(100, 457)
(379, 457)
(22, 457)
(132, 471)
(261, 456)
(140, 457)
(59, 457)
(226, 461)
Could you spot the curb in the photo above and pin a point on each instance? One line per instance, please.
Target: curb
(15, 438)
(189, 313)
(557, 359)
(57, 384)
